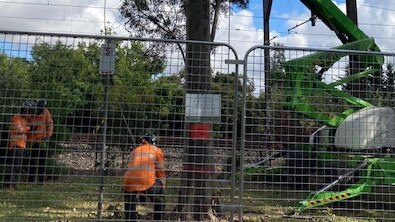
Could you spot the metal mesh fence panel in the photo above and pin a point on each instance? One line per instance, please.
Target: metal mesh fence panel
(308, 135)
(69, 126)
(322, 127)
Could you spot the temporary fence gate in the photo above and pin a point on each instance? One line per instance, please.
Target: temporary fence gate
(299, 134)
(104, 94)
(325, 123)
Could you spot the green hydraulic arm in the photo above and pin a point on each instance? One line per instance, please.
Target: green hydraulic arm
(304, 81)
(374, 171)
(304, 91)
(345, 29)
(304, 85)
(323, 197)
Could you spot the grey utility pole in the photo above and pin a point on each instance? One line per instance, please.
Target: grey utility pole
(354, 64)
(352, 10)
(267, 7)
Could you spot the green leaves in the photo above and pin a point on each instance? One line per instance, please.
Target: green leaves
(68, 77)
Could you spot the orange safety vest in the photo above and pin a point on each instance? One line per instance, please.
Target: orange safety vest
(18, 130)
(41, 126)
(146, 164)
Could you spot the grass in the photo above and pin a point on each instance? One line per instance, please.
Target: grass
(75, 198)
(265, 202)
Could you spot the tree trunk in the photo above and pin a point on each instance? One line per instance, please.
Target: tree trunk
(198, 151)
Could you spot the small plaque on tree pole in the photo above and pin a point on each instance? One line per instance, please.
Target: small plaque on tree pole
(107, 59)
(203, 108)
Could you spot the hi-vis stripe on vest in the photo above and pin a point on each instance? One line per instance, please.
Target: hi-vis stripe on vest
(328, 199)
(18, 131)
(142, 166)
(18, 136)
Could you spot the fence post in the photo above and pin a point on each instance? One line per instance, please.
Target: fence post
(107, 68)
(104, 147)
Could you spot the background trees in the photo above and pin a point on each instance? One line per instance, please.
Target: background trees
(67, 76)
(166, 19)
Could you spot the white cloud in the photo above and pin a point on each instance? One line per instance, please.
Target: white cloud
(376, 19)
(378, 22)
(66, 16)
(73, 16)
(87, 17)
(239, 31)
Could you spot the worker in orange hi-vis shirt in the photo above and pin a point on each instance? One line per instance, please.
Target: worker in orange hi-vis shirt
(41, 124)
(17, 144)
(145, 175)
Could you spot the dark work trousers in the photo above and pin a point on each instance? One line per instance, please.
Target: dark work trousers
(37, 162)
(154, 193)
(14, 166)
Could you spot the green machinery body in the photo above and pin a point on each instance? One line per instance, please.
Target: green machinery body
(303, 83)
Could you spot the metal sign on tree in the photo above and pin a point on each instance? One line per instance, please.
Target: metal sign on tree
(107, 59)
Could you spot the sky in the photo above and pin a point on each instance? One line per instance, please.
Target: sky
(242, 29)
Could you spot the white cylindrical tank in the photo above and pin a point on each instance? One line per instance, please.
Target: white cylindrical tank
(372, 127)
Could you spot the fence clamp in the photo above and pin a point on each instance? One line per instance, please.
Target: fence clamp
(234, 61)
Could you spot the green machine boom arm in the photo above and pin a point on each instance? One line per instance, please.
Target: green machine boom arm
(346, 30)
(303, 84)
(303, 81)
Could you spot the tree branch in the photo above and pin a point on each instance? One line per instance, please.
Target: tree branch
(215, 20)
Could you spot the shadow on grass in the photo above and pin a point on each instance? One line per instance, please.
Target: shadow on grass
(65, 195)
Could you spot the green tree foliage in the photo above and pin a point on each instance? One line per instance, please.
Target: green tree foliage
(166, 19)
(68, 77)
(170, 94)
(225, 84)
(390, 80)
(382, 94)
(14, 81)
(60, 72)
(133, 63)
(14, 78)
(288, 125)
(141, 96)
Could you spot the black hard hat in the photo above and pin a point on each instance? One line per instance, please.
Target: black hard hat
(28, 107)
(41, 103)
(150, 138)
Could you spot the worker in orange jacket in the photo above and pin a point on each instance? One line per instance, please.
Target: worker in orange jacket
(41, 124)
(17, 144)
(145, 175)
